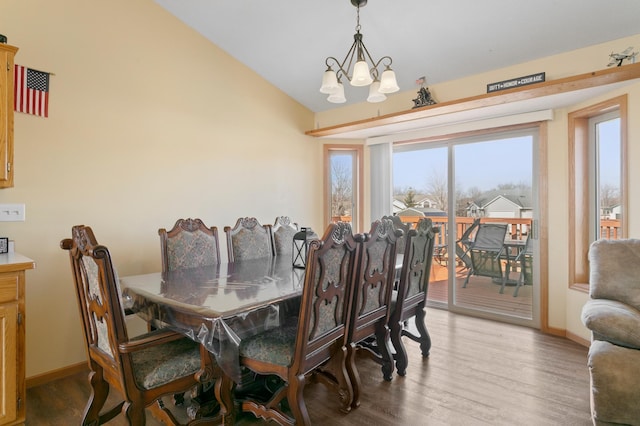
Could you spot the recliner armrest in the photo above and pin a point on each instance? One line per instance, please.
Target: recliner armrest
(612, 321)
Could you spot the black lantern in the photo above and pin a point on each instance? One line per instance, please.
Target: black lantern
(300, 250)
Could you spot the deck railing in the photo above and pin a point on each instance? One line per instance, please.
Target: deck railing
(518, 228)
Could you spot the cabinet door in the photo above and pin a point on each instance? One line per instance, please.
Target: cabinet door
(6, 115)
(8, 377)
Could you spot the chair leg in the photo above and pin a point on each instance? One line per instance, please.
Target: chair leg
(386, 359)
(223, 388)
(134, 412)
(335, 375)
(425, 339)
(504, 282)
(296, 400)
(354, 376)
(99, 394)
(466, 280)
(401, 353)
(515, 291)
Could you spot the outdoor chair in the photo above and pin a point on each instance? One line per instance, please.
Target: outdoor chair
(249, 240)
(524, 260)
(315, 344)
(368, 330)
(462, 245)
(410, 299)
(486, 253)
(142, 369)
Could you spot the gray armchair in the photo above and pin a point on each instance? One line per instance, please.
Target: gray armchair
(613, 316)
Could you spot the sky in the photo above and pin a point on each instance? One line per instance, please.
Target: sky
(486, 165)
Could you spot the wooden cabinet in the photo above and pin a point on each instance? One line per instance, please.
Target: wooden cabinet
(6, 114)
(12, 337)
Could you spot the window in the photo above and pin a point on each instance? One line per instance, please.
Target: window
(597, 152)
(343, 180)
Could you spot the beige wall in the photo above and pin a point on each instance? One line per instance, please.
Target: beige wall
(138, 115)
(149, 122)
(564, 304)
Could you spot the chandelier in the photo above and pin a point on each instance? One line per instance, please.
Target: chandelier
(365, 70)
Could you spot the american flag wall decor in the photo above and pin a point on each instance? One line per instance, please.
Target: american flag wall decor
(31, 91)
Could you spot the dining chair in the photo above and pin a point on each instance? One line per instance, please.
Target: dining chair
(283, 232)
(398, 224)
(402, 226)
(487, 253)
(249, 240)
(189, 244)
(142, 369)
(410, 299)
(371, 302)
(313, 346)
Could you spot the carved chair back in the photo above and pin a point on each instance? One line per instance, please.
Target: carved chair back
(249, 240)
(415, 273)
(189, 244)
(371, 304)
(143, 369)
(283, 232)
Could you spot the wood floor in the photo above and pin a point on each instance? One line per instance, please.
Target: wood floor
(481, 293)
(479, 373)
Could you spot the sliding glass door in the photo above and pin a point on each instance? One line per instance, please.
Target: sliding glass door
(481, 191)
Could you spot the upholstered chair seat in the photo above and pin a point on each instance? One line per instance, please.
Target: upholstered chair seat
(161, 364)
(275, 346)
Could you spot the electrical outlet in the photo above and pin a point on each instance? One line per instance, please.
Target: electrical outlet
(12, 212)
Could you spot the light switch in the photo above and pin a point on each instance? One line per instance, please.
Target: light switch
(12, 212)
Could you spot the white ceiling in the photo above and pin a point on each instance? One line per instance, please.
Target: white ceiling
(287, 41)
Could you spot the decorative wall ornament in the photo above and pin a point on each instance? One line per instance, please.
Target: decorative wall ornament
(424, 96)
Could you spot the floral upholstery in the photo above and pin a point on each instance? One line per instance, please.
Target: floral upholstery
(330, 271)
(95, 294)
(251, 244)
(191, 249)
(283, 232)
(275, 346)
(249, 240)
(374, 261)
(189, 244)
(158, 365)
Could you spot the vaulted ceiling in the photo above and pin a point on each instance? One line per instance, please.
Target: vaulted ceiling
(287, 41)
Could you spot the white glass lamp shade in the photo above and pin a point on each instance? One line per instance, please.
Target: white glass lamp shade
(388, 83)
(337, 97)
(374, 94)
(361, 74)
(329, 82)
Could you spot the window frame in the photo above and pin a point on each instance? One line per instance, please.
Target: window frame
(358, 152)
(580, 176)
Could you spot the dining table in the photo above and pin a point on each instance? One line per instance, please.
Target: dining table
(218, 305)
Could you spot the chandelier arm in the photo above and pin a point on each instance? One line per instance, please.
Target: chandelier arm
(381, 59)
(341, 66)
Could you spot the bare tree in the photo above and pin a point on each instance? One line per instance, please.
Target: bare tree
(437, 189)
(341, 189)
(609, 196)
